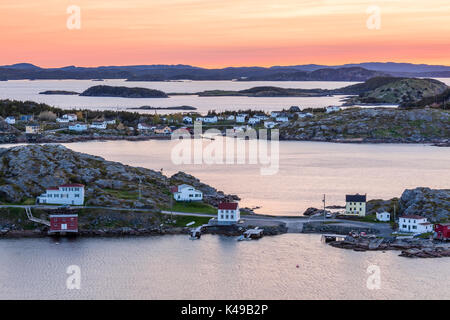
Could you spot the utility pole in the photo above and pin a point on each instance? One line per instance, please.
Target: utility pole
(171, 207)
(140, 192)
(324, 213)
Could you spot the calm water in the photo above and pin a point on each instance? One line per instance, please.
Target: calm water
(172, 267)
(307, 170)
(29, 90)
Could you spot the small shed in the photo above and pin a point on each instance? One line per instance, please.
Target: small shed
(383, 216)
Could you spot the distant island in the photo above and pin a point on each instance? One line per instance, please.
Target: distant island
(164, 108)
(122, 92)
(59, 92)
(310, 72)
(379, 90)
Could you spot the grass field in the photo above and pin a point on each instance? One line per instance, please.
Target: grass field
(192, 207)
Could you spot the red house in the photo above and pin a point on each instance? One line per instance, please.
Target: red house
(61, 223)
(442, 230)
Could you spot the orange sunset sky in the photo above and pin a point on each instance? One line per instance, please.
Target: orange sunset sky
(218, 33)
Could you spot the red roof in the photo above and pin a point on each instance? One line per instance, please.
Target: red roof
(228, 205)
(412, 216)
(53, 188)
(174, 189)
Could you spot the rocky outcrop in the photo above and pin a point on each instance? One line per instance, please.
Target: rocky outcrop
(319, 227)
(433, 204)
(412, 248)
(374, 125)
(26, 171)
(210, 194)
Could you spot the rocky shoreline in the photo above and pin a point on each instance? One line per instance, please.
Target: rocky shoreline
(411, 248)
(150, 231)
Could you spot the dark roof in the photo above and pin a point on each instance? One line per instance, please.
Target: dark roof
(355, 198)
(228, 206)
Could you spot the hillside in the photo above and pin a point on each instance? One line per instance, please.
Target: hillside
(123, 92)
(267, 92)
(394, 90)
(372, 125)
(312, 72)
(26, 171)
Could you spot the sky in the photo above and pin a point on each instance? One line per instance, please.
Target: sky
(219, 33)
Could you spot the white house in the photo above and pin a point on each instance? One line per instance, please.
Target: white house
(62, 120)
(383, 216)
(230, 117)
(253, 120)
(32, 128)
(78, 127)
(187, 119)
(414, 224)
(240, 118)
(110, 121)
(67, 118)
(282, 118)
(275, 114)
(228, 213)
(332, 109)
(210, 119)
(269, 124)
(72, 194)
(261, 116)
(355, 205)
(98, 125)
(302, 115)
(10, 120)
(186, 192)
(144, 127)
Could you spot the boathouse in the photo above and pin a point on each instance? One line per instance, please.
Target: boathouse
(63, 223)
(442, 231)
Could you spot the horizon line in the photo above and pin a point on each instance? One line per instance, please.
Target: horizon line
(221, 67)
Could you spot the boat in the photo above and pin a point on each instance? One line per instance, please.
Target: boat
(195, 235)
(251, 234)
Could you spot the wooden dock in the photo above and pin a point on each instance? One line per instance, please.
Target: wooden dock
(34, 219)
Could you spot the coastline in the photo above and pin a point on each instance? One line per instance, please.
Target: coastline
(11, 139)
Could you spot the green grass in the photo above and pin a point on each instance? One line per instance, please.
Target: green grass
(425, 235)
(192, 207)
(181, 221)
(123, 194)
